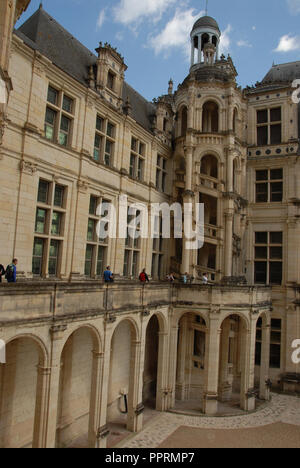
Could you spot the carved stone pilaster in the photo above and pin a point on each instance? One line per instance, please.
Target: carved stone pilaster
(82, 186)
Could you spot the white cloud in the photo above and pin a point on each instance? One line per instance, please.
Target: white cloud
(101, 18)
(225, 40)
(176, 32)
(288, 43)
(294, 6)
(242, 43)
(131, 12)
(253, 28)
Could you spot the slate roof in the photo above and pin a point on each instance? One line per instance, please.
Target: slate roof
(286, 72)
(43, 33)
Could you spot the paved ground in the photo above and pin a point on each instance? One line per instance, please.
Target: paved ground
(275, 425)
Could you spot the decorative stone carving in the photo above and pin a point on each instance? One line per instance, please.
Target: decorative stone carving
(28, 167)
(82, 186)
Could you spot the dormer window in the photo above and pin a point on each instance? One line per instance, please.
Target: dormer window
(111, 81)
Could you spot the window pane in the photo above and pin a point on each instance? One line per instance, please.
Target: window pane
(258, 354)
(261, 253)
(276, 324)
(52, 95)
(261, 175)
(276, 273)
(261, 193)
(275, 134)
(53, 258)
(140, 169)
(59, 196)
(262, 116)
(99, 124)
(50, 116)
(134, 264)
(132, 165)
(91, 230)
(101, 261)
(65, 124)
(261, 237)
(275, 352)
(276, 192)
(37, 258)
(67, 104)
(93, 205)
(110, 129)
(40, 223)
(262, 136)
(43, 191)
(276, 237)
(275, 114)
(276, 174)
(142, 149)
(260, 274)
(134, 143)
(126, 263)
(276, 253)
(88, 260)
(56, 223)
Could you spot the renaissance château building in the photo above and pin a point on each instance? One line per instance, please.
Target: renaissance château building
(74, 134)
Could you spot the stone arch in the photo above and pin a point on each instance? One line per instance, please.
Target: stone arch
(96, 336)
(240, 314)
(123, 375)
(20, 391)
(76, 392)
(210, 117)
(183, 121)
(209, 166)
(191, 357)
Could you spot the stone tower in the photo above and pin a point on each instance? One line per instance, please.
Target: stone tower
(210, 155)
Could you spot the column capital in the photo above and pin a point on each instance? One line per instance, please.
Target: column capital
(57, 331)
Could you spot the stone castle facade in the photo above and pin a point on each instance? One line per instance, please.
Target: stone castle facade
(75, 134)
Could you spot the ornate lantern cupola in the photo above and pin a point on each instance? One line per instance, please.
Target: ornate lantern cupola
(205, 39)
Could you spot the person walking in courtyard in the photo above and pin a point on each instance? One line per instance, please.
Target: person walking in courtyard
(2, 272)
(108, 275)
(205, 278)
(11, 271)
(144, 278)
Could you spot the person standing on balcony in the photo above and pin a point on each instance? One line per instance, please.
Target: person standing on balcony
(11, 271)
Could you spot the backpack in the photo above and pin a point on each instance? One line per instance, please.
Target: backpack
(9, 275)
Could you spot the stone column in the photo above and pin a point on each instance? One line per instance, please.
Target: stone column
(212, 359)
(135, 405)
(230, 159)
(40, 422)
(94, 419)
(103, 431)
(228, 243)
(57, 335)
(264, 391)
(181, 359)
(225, 385)
(248, 367)
(162, 372)
(171, 385)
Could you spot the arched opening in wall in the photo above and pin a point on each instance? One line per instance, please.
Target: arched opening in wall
(184, 118)
(205, 40)
(207, 261)
(151, 363)
(209, 166)
(121, 385)
(232, 364)
(75, 389)
(210, 119)
(20, 380)
(190, 378)
(215, 41)
(210, 213)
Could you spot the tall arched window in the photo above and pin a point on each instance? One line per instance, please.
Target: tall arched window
(235, 121)
(210, 120)
(183, 121)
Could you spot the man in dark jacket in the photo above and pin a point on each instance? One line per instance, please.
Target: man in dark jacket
(2, 272)
(11, 272)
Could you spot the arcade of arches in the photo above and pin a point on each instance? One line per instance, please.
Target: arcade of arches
(79, 379)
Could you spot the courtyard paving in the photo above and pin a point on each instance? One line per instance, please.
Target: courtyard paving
(276, 424)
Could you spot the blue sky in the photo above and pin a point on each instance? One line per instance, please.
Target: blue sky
(153, 35)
